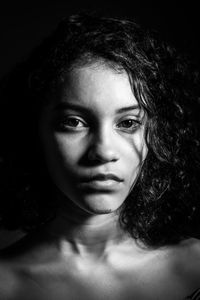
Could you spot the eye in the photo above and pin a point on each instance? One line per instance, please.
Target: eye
(71, 123)
(129, 124)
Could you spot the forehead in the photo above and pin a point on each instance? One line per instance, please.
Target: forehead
(97, 82)
(96, 87)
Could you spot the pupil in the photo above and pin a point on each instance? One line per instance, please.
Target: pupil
(73, 122)
(128, 123)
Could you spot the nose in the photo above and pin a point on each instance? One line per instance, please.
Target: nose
(103, 148)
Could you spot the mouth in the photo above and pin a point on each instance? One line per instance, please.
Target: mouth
(103, 177)
(102, 182)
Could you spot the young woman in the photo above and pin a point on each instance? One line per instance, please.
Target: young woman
(100, 167)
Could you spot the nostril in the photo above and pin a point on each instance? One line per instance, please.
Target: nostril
(101, 154)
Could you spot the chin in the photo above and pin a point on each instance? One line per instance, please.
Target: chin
(99, 210)
(102, 211)
(102, 204)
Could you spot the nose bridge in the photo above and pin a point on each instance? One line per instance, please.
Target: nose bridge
(103, 144)
(103, 135)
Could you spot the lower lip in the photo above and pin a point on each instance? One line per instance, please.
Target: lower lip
(101, 184)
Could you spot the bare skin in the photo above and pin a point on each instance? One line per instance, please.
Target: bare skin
(70, 264)
(91, 129)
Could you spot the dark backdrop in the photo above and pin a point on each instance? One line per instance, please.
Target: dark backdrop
(23, 24)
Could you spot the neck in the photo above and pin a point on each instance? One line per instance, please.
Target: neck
(84, 233)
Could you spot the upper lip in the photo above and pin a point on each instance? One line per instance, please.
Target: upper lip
(102, 177)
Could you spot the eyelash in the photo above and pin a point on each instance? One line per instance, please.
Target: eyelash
(65, 124)
(73, 119)
(134, 124)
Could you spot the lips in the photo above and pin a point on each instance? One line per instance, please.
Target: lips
(101, 182)
(103, 177)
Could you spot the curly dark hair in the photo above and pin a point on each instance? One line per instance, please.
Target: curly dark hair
(164, 206)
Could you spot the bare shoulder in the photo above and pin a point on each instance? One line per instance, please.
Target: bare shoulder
(9, 282)
(14, 263)
(190, 253)
(9, 272)
(187, 257)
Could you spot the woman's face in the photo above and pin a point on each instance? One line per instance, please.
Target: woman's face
(92, 135)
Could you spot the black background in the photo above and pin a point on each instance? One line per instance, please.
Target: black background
(23, 24)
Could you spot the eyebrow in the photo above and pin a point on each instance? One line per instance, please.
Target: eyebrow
(68, 105)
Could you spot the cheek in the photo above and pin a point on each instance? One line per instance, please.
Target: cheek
(69, 150)
(61, 156)
(65, 150)
(134, 155)
(136, 148)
